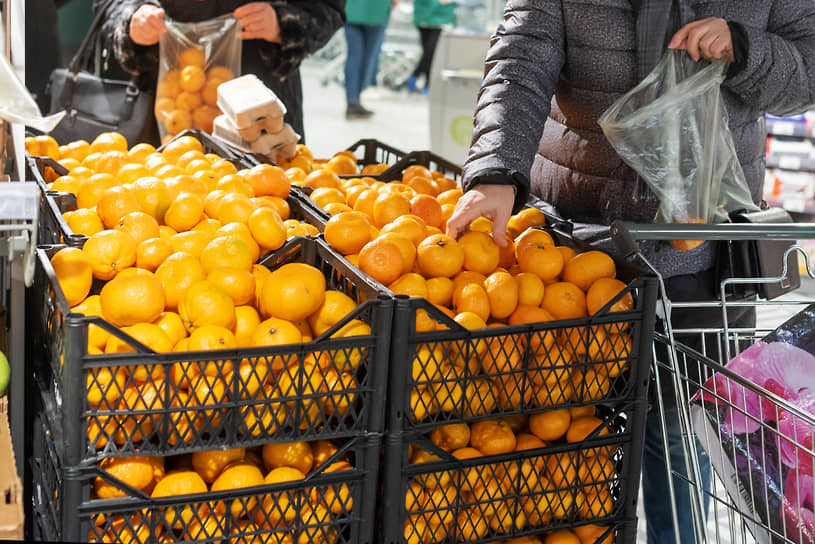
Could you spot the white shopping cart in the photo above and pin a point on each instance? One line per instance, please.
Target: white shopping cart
(761, 446)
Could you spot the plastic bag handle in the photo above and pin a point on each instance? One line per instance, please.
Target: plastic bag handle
(80, 58)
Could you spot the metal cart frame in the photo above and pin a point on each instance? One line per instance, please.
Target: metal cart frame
(734, 517)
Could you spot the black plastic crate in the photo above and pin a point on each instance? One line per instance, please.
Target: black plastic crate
(367, 151)
(428, 159)
(501, 371)
(339, 501)
(246, 407)
(494, 497)
(213, 145)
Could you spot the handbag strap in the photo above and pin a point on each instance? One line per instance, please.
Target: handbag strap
(82, 55)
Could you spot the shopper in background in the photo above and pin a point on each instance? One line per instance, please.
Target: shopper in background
(42, 51)
(553, 67)
(277, 36)
(364, 33)
(429, 16)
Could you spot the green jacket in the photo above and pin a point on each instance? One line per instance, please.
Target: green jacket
(432, 13)
(367, 12)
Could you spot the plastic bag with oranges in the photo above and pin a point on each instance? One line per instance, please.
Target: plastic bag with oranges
(194, 58)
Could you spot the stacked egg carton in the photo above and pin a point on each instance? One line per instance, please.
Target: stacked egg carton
(252, 119)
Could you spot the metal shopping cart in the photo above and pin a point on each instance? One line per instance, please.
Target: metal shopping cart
(761, 445)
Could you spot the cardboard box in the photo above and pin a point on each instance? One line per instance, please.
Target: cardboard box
(11, 488)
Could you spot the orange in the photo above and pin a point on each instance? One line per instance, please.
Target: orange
(582, 427)
(492, 437)
(74, 273)
(297, 455)
(451, 437)
(187, 100)
(583, 269)
(342, 165)
(278, 508)
(204, 303)
(472, 298)
(503, 294)
(530, 314)
(92, 189)
(348, 232)
(184, 212)
(321, 178)
(532, 237)
(530, 289)
(410, 226)
(564, 300)
(234, 183)
(428, 209)
(323, 196)
(563, 536)
(550, 426)
(110, 162)
(605, 289)
(152, 196)
(97, 336)
(78, 149)
(131, 172)
(209, 226)
(234, 208)
(223, 167)
(192, 242)
(139, 152)
(235, 476)
(192, 78)
(440, 290)
(226, 251)
(335, 307)
(389, 206)
(66, 184)
(184, 183)
(341, 388)
(440, 255)
(139, 225)
(132, 299)
(406, 248)
(298, 380)
(108, 141)
(138, 472)
(105, 385)
(590, 534)
(276, 332)
(544, 262)
(169, 171)
(528, 217)
(239, 283)
(422, 185)
(114, 204)
(481, 253)
(450, 196)
(292, 292)
(364, 202)
(203, 115)
(241, 231)
(183, 482)
(526, 441)
(109, 252)
(266, 179)
(171, 324)
(246, 321)
(267, 228)
(567, 252)
(382, 260)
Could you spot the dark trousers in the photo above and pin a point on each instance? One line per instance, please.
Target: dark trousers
(430, 38)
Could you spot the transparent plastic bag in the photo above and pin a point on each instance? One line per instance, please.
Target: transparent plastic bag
(194, 58)
(672, 129)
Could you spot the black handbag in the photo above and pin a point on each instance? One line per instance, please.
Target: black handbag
(759, 259)
(94, 105)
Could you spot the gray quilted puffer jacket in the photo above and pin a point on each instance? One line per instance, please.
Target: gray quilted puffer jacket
(555, 65)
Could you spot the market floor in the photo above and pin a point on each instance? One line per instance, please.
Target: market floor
(402, 120)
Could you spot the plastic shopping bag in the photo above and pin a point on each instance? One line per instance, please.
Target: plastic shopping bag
(672, 129)
(194, 58)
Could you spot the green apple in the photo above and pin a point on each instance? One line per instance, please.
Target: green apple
(5, 373)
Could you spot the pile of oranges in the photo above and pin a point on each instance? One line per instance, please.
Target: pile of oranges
(394, 233)
(526, 492)
(218, 470)
(187, 95)
(584, 534)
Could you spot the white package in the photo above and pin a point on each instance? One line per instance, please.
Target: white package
(245, 100)
(226, 131)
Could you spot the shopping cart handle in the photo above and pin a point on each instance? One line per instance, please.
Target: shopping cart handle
(627, 233)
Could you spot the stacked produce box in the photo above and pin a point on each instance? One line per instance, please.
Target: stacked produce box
(202, 373)
(509, 382)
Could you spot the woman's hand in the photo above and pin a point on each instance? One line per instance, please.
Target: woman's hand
(491, 201)
(147, 25)
(258, 21)
(707, 38)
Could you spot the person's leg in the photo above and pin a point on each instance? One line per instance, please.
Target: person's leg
(656, 502)
(424, 61)
(354, 40)
(432, 40)
(374, 36)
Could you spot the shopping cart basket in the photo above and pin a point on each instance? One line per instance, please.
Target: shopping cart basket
(760, 444)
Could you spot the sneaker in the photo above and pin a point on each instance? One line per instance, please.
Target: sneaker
(411, 84)
(426, 92)
(356, 111)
